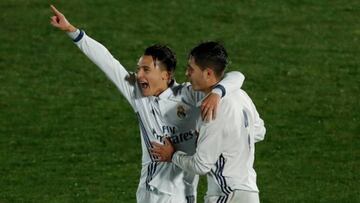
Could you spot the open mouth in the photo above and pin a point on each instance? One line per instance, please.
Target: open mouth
(143, 85)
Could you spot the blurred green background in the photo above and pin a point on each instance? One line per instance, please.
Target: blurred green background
(67, 135)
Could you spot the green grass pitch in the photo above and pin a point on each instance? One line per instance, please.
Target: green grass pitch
(67, 135)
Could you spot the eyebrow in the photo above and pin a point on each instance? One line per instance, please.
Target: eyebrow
(143, 66)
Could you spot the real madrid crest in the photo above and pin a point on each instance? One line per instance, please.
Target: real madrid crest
(181, 113)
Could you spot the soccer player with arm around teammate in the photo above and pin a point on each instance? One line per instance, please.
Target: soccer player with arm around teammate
(163, 108)
(226, 146)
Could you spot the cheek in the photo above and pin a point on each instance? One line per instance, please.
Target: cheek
(197, 76)
(154, 79)
(200, 79)
(152, 76)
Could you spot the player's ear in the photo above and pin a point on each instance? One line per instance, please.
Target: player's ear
(165, 75)
(208, 73)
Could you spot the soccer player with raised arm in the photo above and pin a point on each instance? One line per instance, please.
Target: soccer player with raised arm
(226, 146)
(163, 108)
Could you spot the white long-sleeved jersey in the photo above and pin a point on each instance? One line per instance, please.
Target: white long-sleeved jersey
(172, 114)
(225, 147)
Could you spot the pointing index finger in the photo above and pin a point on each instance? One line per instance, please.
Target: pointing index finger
(55, 10)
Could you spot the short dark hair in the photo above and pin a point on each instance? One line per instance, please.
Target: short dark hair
(163, 54)
(210, 55)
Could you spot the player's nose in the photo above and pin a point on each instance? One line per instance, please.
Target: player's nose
(139, 73)
(187, 74)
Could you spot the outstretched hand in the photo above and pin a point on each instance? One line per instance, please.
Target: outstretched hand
(209, 107)
(163, 152)
(59, 21)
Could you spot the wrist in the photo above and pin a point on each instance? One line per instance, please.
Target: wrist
(219, 89)
(71, 28)
(73, 35)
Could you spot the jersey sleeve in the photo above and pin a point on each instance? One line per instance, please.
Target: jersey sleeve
(209, 148)
(231, 82)
(259, 129)
(112, 68)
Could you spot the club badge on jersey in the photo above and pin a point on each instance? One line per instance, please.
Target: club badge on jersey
(181, 112)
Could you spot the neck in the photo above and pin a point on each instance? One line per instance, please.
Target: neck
(207, 90)
(210, 85)
(160, 91)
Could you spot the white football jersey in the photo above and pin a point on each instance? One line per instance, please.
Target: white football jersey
(171, 114)
(226, 147)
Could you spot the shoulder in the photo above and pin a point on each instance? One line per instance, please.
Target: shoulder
(177, 89)
(230, 104)
(244, 95)
(231, 99)
(186, 93)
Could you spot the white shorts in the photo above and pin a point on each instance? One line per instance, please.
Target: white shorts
(144, 195)
(237, 196)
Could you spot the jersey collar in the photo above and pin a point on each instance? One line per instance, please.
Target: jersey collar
(169, 91)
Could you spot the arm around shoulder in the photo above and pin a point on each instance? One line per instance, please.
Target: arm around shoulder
(232, 81)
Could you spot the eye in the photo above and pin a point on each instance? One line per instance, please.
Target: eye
(190, 69)
(146, 69)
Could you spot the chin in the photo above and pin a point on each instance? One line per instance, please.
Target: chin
(195, 88)
(145, 93)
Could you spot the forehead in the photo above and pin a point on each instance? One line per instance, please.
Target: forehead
(146, 61)
(192, 63)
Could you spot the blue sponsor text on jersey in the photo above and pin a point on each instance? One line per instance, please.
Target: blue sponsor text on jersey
(175, 137)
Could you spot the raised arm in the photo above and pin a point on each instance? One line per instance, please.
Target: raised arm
(98, 54)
